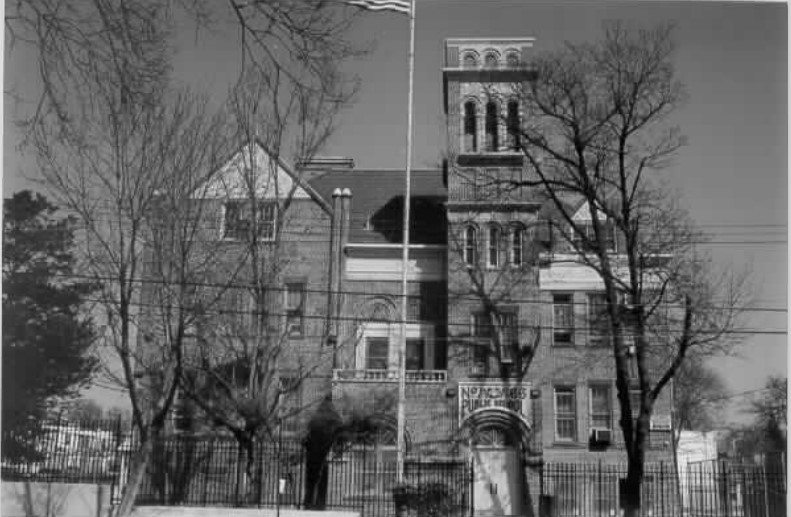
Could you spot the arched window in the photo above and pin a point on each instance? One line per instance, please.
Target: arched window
(470, 244)
(493, 248)
(490, 61)
(470, 60)
(514, 126)
(492, 127)
(470, 127)
(512, 59)
(517, 245)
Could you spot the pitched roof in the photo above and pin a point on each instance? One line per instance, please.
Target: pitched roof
(377, 200)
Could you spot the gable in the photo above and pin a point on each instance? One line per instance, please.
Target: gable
(252, 169)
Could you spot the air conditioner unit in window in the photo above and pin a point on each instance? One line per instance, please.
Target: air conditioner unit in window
(601, 436)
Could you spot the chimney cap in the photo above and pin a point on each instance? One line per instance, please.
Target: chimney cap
(336, 192)
(346, 192)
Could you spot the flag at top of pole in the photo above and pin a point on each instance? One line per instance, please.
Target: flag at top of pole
(400, 6)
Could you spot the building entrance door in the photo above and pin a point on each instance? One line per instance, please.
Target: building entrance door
(497, 476)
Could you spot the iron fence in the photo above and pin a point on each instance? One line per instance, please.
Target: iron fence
(61, 450)
(194, 471)
(592, 490)
(727, 489)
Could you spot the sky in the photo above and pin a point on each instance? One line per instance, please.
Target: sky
(732, 176)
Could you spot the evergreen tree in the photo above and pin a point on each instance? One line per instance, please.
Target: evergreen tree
(46, 334)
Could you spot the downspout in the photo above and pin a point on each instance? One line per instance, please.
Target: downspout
(331, 331)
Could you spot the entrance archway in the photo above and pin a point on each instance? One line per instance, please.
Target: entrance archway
(497, 439)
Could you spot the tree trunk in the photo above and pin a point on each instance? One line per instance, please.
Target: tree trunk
(136, 473)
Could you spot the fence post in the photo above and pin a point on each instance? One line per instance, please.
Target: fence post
(766, 487)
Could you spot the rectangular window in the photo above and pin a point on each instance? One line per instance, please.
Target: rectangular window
(415, 353)
(509, 336)
(377, 350)
(600, 406)
(634, 402)
(598, 321)
(482, 331)
(291, 401)
(242, 222)
(585, 240)
(295, 308)
(563, 321)
(565, 414)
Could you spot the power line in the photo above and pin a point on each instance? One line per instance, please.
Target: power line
(450, 297)
(361, 320)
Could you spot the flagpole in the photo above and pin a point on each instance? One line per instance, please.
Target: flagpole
(405, 258)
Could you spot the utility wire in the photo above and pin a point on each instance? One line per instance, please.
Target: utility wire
(450, 297)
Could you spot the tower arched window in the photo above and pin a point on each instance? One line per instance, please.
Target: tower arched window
(490, 61)
(470, 60)
(470, 245)
(514, 125)
(517, 245)
(493, 246)
(512, 59)
(492, 127)
(470, 127)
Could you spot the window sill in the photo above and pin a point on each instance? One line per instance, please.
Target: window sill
(568, 444)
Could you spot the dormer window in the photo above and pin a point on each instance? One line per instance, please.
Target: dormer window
(244, 220)
(585, 239)
(512, 59)
(491, 61)
(492, 127)
(470, 127)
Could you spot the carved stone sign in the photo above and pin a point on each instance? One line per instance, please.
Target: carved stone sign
(511, 396)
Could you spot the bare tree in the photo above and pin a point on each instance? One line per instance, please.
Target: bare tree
(246, 375)
(699, 395)
(124, 153)
(112, 141)
(594, 132)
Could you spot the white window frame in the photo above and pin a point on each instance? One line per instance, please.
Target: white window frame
(270, 225)
(286, 291)
(517, 232)
(571, 330)
(392, 331)
(573, 390)
(470, 250)
(608, 387)
(493, 254)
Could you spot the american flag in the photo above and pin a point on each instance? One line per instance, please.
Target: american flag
(401, 6)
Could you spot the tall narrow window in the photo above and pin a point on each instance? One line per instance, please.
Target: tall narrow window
(513, 124)
(509, 336)
(600, 406)
(415, 353)
(493, 254)
(470, 245)
(482, 331)
(565, 414)
(598, 324)
(470, 127)
(295, 308)
(563, 324)
(377, 350)
(517, 242)
(492, 127)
